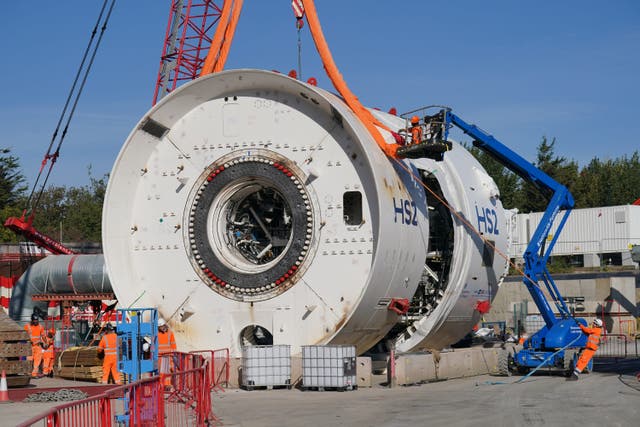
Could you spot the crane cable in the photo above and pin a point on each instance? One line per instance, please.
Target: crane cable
(365, 116)
(31, 205)
(299, 23)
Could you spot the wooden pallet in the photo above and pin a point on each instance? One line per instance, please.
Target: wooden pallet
(15, 348)
(80, 363)
(92, 373)
(18, 380)
(80, 356)
(344, 388)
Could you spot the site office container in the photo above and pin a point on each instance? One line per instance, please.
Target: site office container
(610, 229)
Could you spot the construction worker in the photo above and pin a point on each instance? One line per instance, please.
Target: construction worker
(592, 345)
(146, 348)
(35, 331)
(109, 346)
(522, 336)
(47, 353)
(166, 345)
(416, 130)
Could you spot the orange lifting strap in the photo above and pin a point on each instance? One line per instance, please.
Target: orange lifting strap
(221, 43)
(218, 55)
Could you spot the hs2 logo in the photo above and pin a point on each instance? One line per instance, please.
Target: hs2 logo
(405, 211)
(487, 221)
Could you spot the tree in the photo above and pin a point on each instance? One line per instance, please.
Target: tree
(609, 183)
(72, 214)
(589, 189)
(50, 210)
(12, 189)
(558, 168)
(624, 184)
(12, 182)
(84, 210)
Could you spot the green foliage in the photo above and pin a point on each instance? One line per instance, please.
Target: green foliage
(610, 183)
(6, 235)
(559, 264)
(12, 189)
(558, 168)
(12, 182)
(75, 213)
(72, 214)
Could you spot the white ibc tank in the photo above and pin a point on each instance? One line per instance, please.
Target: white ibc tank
(252, 208)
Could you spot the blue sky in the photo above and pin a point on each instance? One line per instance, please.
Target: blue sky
(519, 70)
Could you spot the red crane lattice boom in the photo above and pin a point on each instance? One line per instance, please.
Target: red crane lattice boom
(186, 43)
(24, 228)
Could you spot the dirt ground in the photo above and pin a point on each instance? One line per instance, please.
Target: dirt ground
(609, 396)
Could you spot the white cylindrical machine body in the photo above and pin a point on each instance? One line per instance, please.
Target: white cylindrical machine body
(247, 203)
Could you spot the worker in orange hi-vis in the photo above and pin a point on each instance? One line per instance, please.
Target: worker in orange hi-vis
(109, 345)
(523, 336)
(47, 353)
(592, 345)
(35, 331)
(166, 345)
(416, 130)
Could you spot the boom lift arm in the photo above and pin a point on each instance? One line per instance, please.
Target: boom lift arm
(535, 255)
(546, 347)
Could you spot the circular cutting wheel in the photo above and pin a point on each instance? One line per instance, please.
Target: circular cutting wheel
(250, 226)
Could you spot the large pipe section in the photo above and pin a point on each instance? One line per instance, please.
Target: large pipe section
(58, 274)
(250, 207)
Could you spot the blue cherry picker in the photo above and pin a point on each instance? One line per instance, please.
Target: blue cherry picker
(557, 344)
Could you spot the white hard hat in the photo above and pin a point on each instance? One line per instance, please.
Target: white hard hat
(161, 322)
(597, 322)
(146, 344)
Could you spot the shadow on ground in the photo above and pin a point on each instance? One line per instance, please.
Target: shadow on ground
(627, 370)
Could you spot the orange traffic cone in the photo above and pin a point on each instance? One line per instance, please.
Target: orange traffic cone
(4, 391)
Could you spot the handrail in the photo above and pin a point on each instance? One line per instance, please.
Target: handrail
(191, 385)
(218, 375)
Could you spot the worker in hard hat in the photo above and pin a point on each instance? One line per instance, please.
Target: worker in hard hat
(416, 130)
(109, 346)
(146, 348)
(35, 331)
(166, 345)
(592, 345)
(47, 353)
